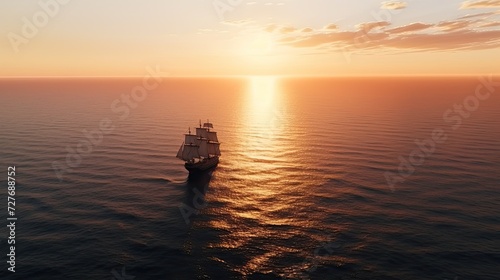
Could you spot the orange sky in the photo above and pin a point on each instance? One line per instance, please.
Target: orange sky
(238, 37)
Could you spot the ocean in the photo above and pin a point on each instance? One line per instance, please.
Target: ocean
(319, 178)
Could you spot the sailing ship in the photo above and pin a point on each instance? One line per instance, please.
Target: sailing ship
(200, 151)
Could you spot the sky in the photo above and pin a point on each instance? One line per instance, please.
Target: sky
(249, 37)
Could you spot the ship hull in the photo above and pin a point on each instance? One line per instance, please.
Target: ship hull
(202, 166)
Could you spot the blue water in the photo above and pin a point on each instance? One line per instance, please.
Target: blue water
(300, 192)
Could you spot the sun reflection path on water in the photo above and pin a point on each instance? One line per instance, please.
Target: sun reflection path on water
(263, 131)
(264, 180)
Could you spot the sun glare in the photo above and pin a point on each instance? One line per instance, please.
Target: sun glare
(258, 45)
(262, 91)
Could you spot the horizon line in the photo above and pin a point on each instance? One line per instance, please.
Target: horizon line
(247, 76)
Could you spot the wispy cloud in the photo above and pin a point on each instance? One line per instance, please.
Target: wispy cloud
(393, 5)
(418, 36)
(413, 27)
(454, 25)
(458, 40)
(274, 4)
(271, 27)
(331, 26)
(236, 22)
(467, 32)
(368, 26)
(480, 4)
(283, 29)
(481, 15)
(490, 24)
(287, 29)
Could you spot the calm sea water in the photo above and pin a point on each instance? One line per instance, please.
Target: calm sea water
(301, 191)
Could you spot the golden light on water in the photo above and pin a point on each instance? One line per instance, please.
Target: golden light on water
(261, 147)
(266, 164)
(263, 99)
(263, 115)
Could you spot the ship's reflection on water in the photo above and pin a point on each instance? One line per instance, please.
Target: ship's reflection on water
(196, 188)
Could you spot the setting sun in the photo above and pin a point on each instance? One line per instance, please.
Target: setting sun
(261, 44)
(220, 38)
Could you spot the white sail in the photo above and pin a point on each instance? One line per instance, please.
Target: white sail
(212, 136)
(191, 139)
(201, 132)
(213, 148)
(179, 153)
(203, 144)
(203, 150)
(190, 152)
